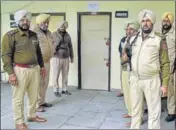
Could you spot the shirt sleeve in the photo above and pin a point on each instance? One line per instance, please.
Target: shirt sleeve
(165, 64)
(71, 49)
(7, 50)
(39, 56)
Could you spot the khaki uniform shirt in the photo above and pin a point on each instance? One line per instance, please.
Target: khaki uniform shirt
(150, 58)
(21, 48)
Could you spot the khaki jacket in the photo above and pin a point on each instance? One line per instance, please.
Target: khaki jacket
(46, 43)
(150, 58)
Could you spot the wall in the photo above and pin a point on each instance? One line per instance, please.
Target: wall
(72, 7)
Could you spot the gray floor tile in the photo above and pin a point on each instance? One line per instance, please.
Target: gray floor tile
(74, 127)
(98, 107)
(70, 110)
(113, 125)
(53, 122)
(106, 99)
(87, 121)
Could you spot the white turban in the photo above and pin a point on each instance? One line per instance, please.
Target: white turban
(147, 13)
(42, 18)
(20, 14)
(62, 24)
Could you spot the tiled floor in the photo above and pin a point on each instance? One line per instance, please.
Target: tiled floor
(84, 109)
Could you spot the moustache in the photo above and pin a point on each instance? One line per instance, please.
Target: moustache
(165, 25)
(145, 27)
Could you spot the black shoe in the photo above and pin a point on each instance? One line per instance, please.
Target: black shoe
(164, 98)
(170, 118)
(66, 92)
(46, 105)
(145, 110)
(57, 94)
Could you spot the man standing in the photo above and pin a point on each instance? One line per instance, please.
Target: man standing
(149, 57)
(45, 41)
(131, 29)
(22, 56)
(60, 60)
(121, 47)
(169, 31)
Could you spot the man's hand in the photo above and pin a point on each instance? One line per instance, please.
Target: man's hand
(13, 80)
(164, 91)
(125, 57)
(72, 60)
(43, 72)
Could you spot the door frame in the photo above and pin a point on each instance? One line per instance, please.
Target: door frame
(79, 14)
(52, 14)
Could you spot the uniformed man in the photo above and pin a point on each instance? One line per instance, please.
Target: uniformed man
(21, 56)
(60, 61)
(149, 57)
(132, 28)
(121, 46)
(169, 31)
(45, 41)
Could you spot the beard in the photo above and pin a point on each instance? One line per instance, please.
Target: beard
(146, 29)
(24, 27)
(44, 28)
(166, 27)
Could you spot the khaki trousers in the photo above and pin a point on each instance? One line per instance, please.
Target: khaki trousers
(126, 90)
(59, 65)
(171, 97)
(121, 80)
(43, 85)
(28, 81)
(150, 88)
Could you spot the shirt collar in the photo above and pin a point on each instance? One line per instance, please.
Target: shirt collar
(152, 34)
(22, 33)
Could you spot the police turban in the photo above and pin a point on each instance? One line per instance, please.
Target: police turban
(20, 14)
(133, 24)
(169, 15)
(42, 18)
(62, 24)
(147, 13)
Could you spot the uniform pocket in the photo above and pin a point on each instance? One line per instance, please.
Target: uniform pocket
(20, 46)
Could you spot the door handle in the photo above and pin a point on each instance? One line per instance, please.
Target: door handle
(107, 41)
(107, 61)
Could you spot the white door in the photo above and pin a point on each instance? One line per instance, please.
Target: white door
(94, 51)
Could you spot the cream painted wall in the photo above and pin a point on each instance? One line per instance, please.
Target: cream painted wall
(72, 7)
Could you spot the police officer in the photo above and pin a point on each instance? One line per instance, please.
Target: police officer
(21, 56)
(60, 61)
(45, 41)
(132, 28)
(121, 47)
(169, 31)
(149, 52)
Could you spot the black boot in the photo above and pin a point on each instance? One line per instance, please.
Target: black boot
(46, 105)
(170, 118)
(145, 110)
(66, 92)
(57, 94)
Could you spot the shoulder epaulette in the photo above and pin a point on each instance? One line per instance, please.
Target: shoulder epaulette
(32, 32)
(12, 32)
